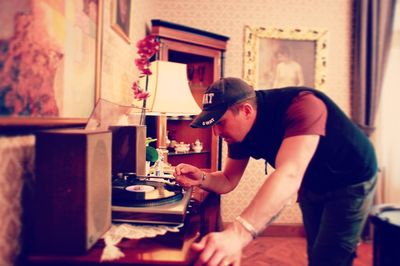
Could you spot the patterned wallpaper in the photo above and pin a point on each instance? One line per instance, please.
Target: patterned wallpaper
(16, 173)
(229, 18)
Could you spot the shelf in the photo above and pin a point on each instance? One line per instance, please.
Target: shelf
(180, 117)
(186, 153)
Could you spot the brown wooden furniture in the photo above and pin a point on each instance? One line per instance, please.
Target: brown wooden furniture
(203, 52)
(169, 249)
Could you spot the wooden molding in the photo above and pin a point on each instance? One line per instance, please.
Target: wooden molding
(184, 33)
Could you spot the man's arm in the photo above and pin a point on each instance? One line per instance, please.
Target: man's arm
(226, 180)
(292, 160)
(219, 182)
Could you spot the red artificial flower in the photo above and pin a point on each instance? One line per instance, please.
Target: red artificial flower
(138, 93)
(146, 48)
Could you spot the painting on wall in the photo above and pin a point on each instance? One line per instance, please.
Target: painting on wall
(121, 17)
(276, 57)
(49, 61)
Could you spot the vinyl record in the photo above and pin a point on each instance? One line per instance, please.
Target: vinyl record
(136, 193)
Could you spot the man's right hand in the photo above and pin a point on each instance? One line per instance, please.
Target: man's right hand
(188, 175)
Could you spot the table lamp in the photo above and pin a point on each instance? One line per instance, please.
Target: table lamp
(170, 94)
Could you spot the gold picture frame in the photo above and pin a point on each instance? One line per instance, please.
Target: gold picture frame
(121, 18)
(263, 51)
(61, 84)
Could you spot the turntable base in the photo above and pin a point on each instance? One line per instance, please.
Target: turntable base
(148, 200)
(170, 213)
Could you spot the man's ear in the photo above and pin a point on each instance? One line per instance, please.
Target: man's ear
(247, 109)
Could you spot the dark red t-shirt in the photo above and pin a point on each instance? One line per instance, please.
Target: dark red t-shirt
(306, 115)
(344, 155)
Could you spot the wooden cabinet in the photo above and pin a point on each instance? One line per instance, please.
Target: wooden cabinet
(203, 53)
(172, 248)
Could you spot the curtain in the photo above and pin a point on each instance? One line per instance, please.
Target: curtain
(388, 128)
(373, 22)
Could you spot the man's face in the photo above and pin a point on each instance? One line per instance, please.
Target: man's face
(231, 127)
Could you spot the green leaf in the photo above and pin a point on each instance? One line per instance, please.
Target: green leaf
(151, 154)
(149, 140)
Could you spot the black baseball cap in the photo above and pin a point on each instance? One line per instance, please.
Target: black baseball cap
(217, 99)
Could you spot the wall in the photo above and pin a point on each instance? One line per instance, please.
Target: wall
(219, 16)
(386, 135)
(118, 68)
(229, 18)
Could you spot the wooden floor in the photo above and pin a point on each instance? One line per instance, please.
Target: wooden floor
(290, 251)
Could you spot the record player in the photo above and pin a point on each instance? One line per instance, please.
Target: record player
(136, 198)
(148, 199)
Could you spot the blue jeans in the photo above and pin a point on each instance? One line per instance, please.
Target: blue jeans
(333, 222)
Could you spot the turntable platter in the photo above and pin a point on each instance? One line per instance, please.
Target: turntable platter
(137, 193)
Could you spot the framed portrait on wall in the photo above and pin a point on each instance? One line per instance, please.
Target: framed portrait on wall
(121, 17)
(50, 58)
(276, 57)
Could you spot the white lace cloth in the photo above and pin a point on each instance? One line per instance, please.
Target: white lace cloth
(119, 231)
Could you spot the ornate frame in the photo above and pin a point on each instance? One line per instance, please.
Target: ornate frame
(254, 36)
(18, 121)
(120, 27)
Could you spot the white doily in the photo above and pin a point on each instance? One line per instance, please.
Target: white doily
(119, 231)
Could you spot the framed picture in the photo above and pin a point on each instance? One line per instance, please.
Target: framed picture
(121, 18)
(276, 57)
(50, 56)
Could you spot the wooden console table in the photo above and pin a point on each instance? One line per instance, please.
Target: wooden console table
(168, 249)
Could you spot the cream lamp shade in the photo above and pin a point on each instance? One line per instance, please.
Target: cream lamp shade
(170, 95)
(169, 89)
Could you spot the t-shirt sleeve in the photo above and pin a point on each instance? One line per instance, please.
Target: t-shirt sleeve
(306, 115)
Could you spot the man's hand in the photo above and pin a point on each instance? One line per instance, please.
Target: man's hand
(219, 249)
(188, 175)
